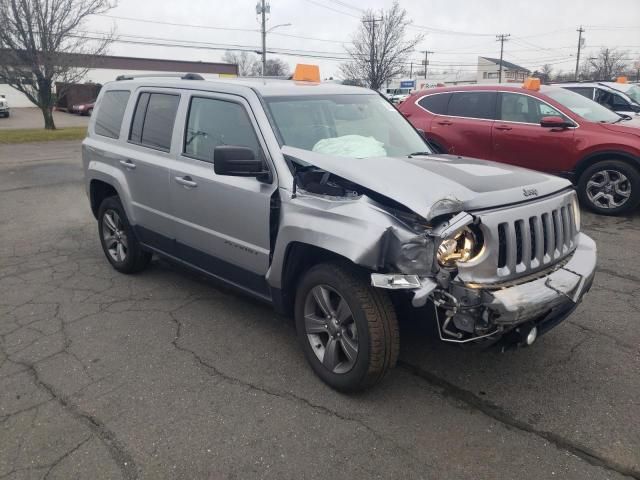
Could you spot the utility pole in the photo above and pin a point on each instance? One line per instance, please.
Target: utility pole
(501, 38)
(262, 8)
(426, 62)
(372, 52)
(580, 32)
(411, 70)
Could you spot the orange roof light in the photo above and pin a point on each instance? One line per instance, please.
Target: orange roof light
(621, 80)
(306, 73)
(532, 84)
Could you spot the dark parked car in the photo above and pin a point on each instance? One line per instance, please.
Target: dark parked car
(83, 108)
(545, 128)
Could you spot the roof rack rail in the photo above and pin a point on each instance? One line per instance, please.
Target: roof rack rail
(183, 76)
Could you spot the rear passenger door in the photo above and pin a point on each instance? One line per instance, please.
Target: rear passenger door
(222, 222)
(146, 165)
(465, 129)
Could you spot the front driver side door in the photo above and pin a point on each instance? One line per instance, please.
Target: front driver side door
(221, 222)
(519, 139)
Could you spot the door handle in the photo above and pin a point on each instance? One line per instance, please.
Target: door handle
(186, 181)
(128, 164)
(445, 122)
(503, 127)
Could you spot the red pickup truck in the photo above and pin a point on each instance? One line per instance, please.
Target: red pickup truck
(540, 127)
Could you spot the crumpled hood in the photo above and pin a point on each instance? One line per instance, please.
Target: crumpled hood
(438, 184)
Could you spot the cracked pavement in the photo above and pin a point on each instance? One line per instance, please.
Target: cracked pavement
(166, 375)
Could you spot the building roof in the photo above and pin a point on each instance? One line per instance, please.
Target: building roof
(505, 64)
(144, 64)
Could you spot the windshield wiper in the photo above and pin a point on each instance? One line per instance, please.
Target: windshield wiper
(419, 154)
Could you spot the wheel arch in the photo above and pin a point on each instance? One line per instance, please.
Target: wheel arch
(596, 157)
(299, 258)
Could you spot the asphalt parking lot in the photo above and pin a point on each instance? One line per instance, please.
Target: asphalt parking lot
(32, 118)
(166, 375)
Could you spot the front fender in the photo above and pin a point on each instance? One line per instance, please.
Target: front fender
(353, 228)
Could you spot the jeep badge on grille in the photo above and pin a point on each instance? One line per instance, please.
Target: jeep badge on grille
(530, 192)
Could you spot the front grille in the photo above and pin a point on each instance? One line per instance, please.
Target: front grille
(522, 240)
(526, 244)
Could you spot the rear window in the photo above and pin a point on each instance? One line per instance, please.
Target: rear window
(473, 104)
(153, 120)
(436, 103)
(110, 114)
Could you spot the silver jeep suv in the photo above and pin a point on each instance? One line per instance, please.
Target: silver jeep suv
(324, 201)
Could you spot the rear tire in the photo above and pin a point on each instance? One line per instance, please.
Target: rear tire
(118, 240)
(610, 187)
(353, 346)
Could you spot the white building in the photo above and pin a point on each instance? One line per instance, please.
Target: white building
(107, 68)
(489, 71)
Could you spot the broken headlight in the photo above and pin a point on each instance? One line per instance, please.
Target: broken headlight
(461, 247)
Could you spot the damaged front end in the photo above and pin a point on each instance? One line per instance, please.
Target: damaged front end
(501, 273)
(508, 274)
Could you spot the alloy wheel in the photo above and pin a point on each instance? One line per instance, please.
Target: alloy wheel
(331, 329)
(114, 236)
(608, 189)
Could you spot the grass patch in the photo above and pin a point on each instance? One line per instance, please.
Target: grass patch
(41, 135)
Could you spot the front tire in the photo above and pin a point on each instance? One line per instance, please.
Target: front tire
(610, 187)
(118, 240)
(347, 329)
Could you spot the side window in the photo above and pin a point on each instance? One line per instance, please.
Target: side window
(584, 91)
(525, 109)
(436, 103)
(620, 103)
(473, 104)
(213, 122)
(110, 113)
(153, 120)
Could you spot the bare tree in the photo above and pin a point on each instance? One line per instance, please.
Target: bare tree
(544, 74)
(39, 45)
(274, 68)
(609, 63)
(380, 50)
(246, 61)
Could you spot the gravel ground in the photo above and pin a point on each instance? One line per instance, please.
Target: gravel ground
(166, 375)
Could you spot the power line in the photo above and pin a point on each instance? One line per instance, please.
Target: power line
(334, 9)
(345, 4)
(173, 24)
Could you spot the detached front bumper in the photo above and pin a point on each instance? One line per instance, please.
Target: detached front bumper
(548, 299)
(564, 286)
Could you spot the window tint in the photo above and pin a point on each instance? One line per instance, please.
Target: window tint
(522, 108)
(153, 120)
(110, 113)
(214, 122)
(435, 103)
(472, 104)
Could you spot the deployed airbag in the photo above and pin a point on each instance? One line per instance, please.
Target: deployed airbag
(351, 146)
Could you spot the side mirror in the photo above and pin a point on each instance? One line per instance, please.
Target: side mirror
(238, 162)
(554, 122)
